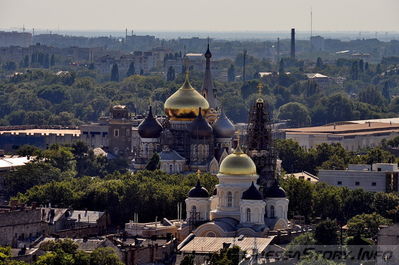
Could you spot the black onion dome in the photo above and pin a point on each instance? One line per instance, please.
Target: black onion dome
(198, 191)
(200, 127)
(275, 191)
(223, 127)
(208, 53)
(150, 127)
(252, 193)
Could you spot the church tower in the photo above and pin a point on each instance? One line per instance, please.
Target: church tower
(260, 142)
(208, 91)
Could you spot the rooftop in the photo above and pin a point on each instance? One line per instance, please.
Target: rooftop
(7, 162)
(347, 129)
(58, 132)
(303, 175)
(85, 216)
(214, 244)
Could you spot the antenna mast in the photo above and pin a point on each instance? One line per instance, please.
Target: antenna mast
(311, 29)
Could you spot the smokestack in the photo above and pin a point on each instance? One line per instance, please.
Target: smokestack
(293, 43)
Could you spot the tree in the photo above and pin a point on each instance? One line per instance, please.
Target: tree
(386, 204)
(26, 61)
(227, 256)
(378, 155)
(294, 157)
(355, 71)
(299, 193)
(361, 66)
(385, 91)
(394, 105)
(130, 70)
(281, 70)
(115, 73)
(326, 232)
(29, 150)
(153, 164)
(337, 107)
(366, 225)
(32, 174)
(372, 96)
(319, 63)
(188, 260)
(317, 259)
(296, 113)
(170, 75)
(52, 60)
(104, 256)
(298, 243)
(231, 74)
(46, 61)
(10, 66)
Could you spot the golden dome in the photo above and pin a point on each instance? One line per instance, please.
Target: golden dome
(237, 163)
(184, 104)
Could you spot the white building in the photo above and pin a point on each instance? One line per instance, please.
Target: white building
(237, 207)
(380, 177)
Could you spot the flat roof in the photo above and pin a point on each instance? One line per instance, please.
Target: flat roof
(14, 161)
(346, 128)
(214, 244)
(43, 131)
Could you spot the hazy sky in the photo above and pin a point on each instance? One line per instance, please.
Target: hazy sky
(201, 15)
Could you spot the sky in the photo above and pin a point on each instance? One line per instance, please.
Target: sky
(201, 15)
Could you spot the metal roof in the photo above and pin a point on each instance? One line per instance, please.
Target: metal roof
(214, 244)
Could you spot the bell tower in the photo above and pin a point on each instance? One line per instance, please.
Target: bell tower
(260, 142)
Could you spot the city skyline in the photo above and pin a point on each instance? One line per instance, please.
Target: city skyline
(204, 15)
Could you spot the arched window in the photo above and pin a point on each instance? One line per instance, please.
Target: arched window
(194, 209)
(272, 211)
(170, 168)
(229, 199)
(248, 215)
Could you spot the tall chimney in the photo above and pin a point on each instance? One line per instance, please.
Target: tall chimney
(293, 43)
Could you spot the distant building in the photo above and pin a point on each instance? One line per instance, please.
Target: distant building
(304, 176)
(317, 43)
(21, 225)
(351, 136)
(14, 38)
(321, 80)
(131, 251)
(164, 228)
(141, 42)
(380, 177)
(11, 139)
(120, 132)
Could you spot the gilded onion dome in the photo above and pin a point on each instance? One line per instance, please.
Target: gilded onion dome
(223, 127)
(184, 104)
(150, 127)
(237, 163)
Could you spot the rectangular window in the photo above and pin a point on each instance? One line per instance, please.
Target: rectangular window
(116, 132)
(373, 184)
(339, 183)
(357, 183)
